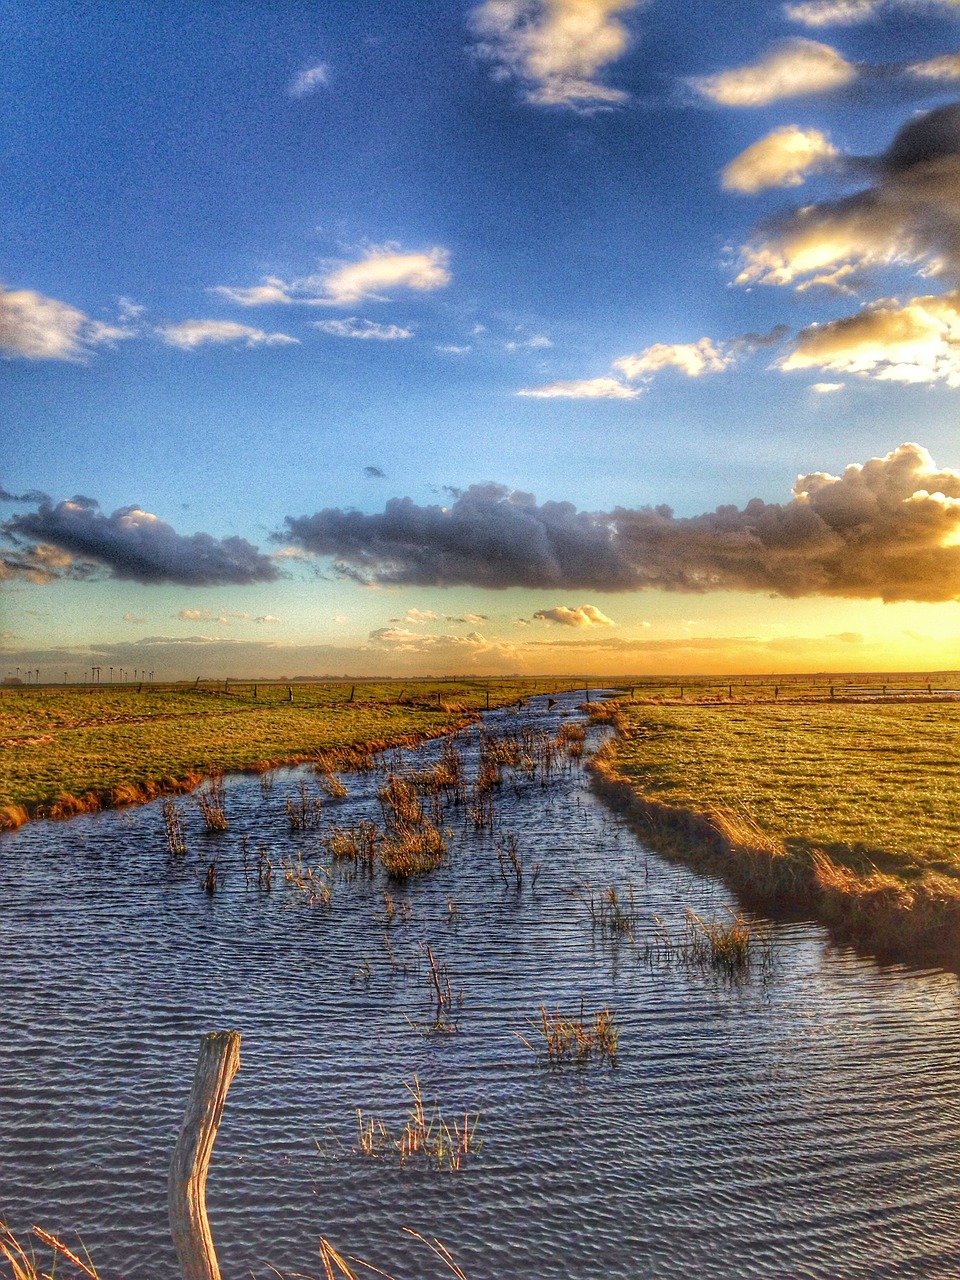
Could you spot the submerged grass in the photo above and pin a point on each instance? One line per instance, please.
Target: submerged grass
(730, 946)
(563, 1038)
(424, 1136)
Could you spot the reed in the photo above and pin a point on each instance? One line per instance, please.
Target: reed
(562, 1038)
(173, 828)
(313, 882)
(609, 909)
(412, 851)
(730, 946)
(23, 1262)
(357, 843)
(211, 803)
(424, 1135)
(335, 787)
(304, 813)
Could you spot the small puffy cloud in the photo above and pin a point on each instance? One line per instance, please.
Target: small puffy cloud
(194, 615)
(583, 389)
(556, 49)
(889, 528)
(138, 547)
(271, 292)
(691, 358)
(340, 618)
(451, 349)
(832, 13)
(267, 619)
(190, 334)
(463, 648)
(782, 158)
(827, 388)
(374, 473)
(417, 617)
(909, 215)
(34, 327)
(946, 67)
(918, 342)
(316, 77)
(791, 69)
(354, 328)
(133, 617)
(587, 615)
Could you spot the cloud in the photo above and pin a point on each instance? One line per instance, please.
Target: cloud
(139, 547)
(889, 529)
(189, 334)
(383, 267)
(583, 389)
(946, 67)
(587, 615)
(309, 81)
(918, 342)
(132, 617)
(910, 215)
(374, 473)
(832, 13)
(37, 328)
(193, 615)
(782, 158)
(466, 648)
(691, 358)
(267, 619)
(451, 349)
(40, 564)
(417, 617)
(790, 69)
(32, 496)
(354, 328)
(827, 388)
(556, 49)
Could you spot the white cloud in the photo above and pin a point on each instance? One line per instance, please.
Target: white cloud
(417, 617)
(308, 81)
(34, 327)
(827, 388)
(587, 615)
(946, 67)
(451, 350)
(190, 334)
(831, 13)
(132, 617)
(267, 618)
(691, 358)
(383, 267)
(917, 342)
(340, 618)
(193, 615)
(782, 158)
(790, 69)
(555, 48)
(583, 389)
(354, 328)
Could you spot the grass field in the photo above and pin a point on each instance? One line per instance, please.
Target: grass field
(72, 749)
(855, 805)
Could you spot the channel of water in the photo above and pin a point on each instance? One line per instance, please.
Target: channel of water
(800, 1123)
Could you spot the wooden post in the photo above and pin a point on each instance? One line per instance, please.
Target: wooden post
(289, 692)
(353, 690)
(186, 1187)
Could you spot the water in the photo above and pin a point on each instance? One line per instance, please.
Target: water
(802, 1123)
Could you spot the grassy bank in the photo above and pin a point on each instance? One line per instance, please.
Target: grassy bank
(848, 808)
(71, 750)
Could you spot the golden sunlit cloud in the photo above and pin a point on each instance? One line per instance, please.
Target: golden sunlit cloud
(583, 389)
(34, 327)
(782, 158)
(791, 69)
(587, 615)
(554, 48)
(691, 358)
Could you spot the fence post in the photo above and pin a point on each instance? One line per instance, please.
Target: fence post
(186, 1186)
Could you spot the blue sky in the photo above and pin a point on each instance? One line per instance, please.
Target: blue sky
(265, 266)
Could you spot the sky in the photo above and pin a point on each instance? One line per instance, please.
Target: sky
(539, 336)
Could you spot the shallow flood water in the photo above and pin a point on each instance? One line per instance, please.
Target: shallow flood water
(802, 1122)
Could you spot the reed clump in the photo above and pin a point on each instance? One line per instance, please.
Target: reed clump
(565, 1038)
(173, 828)
(357, 843)
(211, 803)
(610, 909)
(447, 1144)
(312, 882)
(304, 812)
(730, 946)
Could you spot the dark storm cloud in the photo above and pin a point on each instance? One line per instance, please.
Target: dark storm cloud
(137, 546)
(885, 529)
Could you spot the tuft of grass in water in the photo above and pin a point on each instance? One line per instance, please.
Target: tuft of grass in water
(429, 1137)
(312, 882)
(731, 946)
(23, 1262)
(211, 803)
(173, 828)
(411, 851)
(304, 813)
(335, 787)
(564, 1038)
(357, 843)
(610, 909)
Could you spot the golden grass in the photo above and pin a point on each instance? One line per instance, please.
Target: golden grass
(428, 1137)
(563, 1037)
(848, 809)
(23, 1263)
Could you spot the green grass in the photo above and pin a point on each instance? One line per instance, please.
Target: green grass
(75, 742)
(870, 784)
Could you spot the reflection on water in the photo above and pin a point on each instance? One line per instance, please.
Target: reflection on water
(803, 1123)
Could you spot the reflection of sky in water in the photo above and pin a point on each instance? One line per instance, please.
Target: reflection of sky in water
(798, 1125)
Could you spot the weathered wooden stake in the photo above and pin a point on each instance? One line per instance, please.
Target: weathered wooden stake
(186, 1187)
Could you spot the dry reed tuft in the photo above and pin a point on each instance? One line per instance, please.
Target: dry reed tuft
(210, 801)
(304, 813)
(575, 1038)
(427, 1137)
(732, 947)
(609, 909)
(173, 828)
(357, 843)
(23, 1263)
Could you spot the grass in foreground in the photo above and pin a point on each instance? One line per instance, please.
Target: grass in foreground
(852, 807)
(72, 750)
